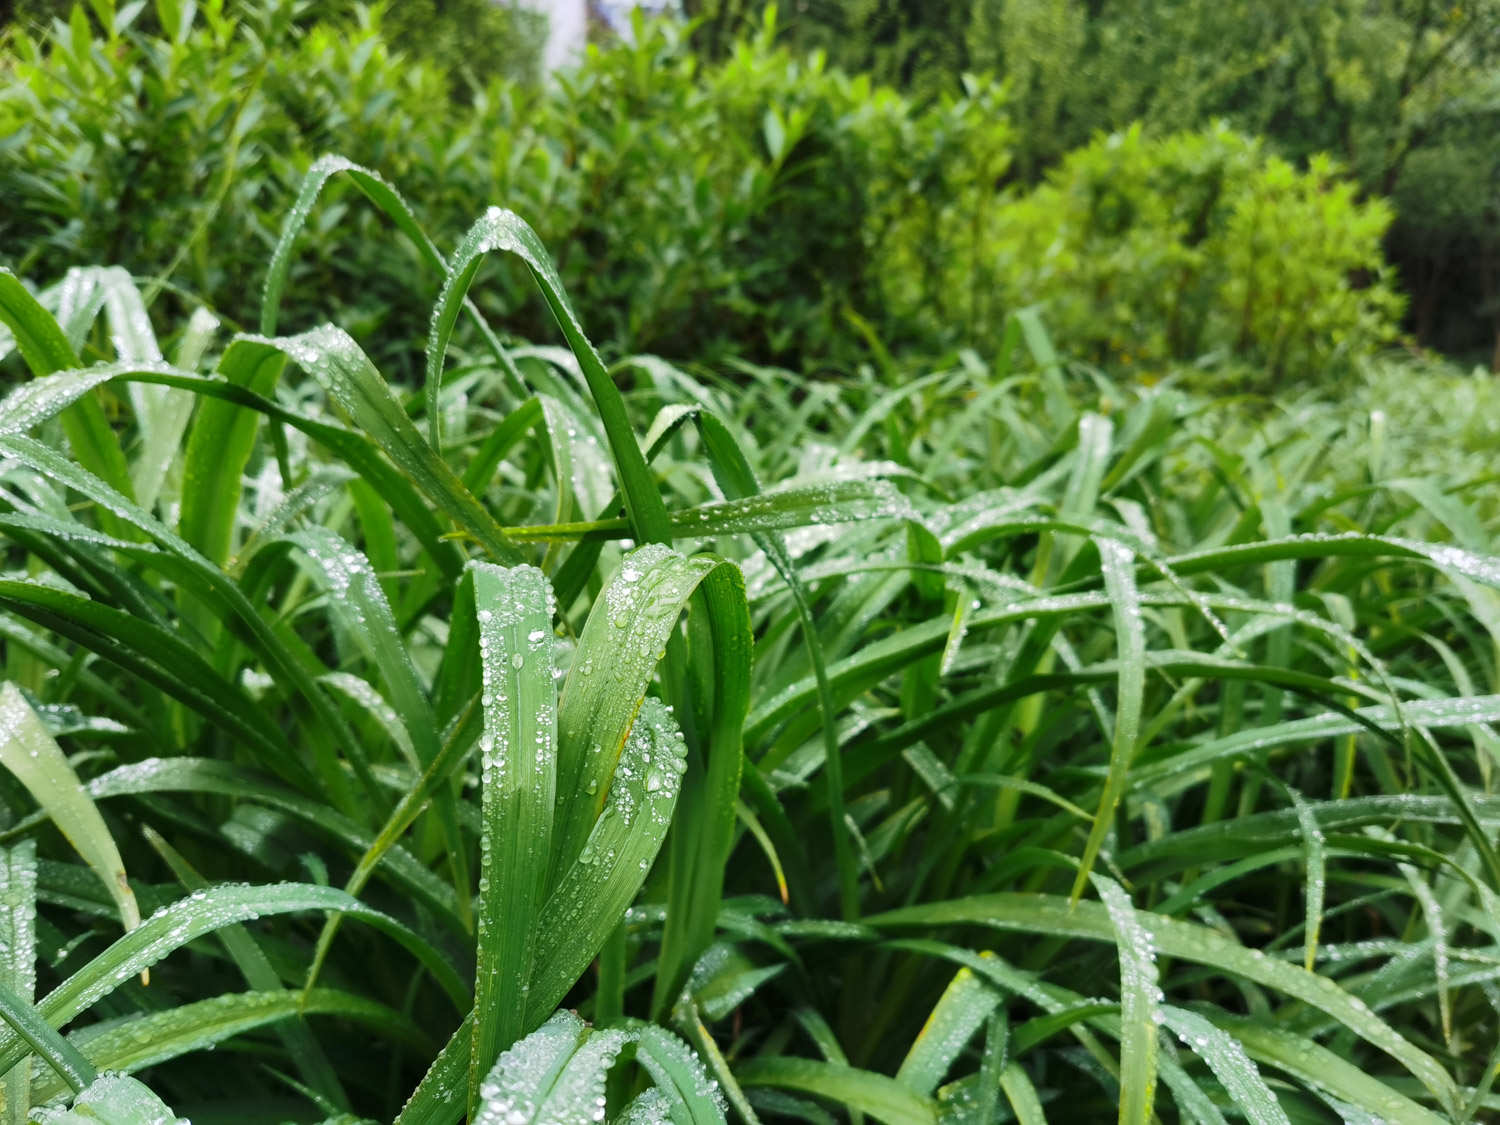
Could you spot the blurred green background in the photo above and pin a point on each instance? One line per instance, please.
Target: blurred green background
(1266, 190)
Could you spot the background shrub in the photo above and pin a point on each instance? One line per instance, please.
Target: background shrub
(1149, 252)
(765, 206)
(1401, 92)
(745, 208)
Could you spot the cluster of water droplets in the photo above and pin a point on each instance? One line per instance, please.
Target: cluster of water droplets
(510, 1093)
(646, 781)
(831, 502)
(649, 1107)
(38, 400)
(1230, 1063)
(578, 1094)
(514, 631)
(660, 1046)
(111, 1097)
(1140, 992)
(980, 512)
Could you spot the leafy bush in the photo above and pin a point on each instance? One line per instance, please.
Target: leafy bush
(746, 208)
(1402, 93)
(1035, 746)
(1150, 252)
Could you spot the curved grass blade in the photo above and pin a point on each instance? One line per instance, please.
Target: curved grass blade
(1019, 1091)
(1058, 917)
(228, 439)
(73, 1071)
(260, 975)
(593, 894)
(29, 752)
(275, 644)
(46, 350)
(202, 913)
(141, 1041)
(501, 230)
(1321, 1068)
(1230, 1064)
(388, 201)
(785, 509)
(958, 1015)
(210, 776)
(691, 1096)
(882, 1098)
(332, 357)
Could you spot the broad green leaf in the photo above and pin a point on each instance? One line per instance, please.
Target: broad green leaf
(622, 641)
(593, 894)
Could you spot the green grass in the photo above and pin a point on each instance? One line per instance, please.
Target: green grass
(996, 742)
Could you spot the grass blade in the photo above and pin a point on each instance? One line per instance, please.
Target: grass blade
(1117, 561)
(1140, 1000)
(518, 775)
(882, 1098)
(18, 956)
(29, 752)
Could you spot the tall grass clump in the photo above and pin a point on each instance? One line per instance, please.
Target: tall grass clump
(562, 741)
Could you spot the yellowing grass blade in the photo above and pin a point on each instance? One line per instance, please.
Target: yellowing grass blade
(960, 1012)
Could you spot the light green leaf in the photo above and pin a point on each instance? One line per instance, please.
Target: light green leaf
(29, 752)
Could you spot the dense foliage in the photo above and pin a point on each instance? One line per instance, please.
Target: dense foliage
(765, 207)
(1198, 245)
(957, 745)
(1401, 92)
